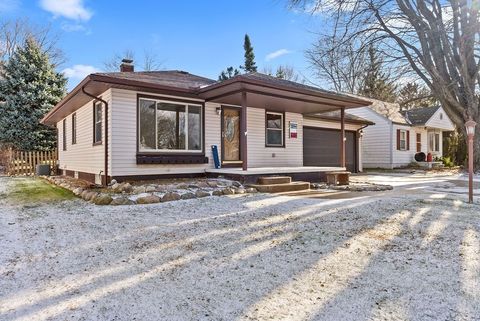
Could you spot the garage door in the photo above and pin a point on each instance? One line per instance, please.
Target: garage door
(321, 147)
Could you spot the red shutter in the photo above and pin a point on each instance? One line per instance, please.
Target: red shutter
(398, 139)
(408, 140)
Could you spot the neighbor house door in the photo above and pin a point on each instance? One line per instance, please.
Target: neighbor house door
(231, 136)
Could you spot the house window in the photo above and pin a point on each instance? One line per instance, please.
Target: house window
(434, 142)
(97, 123)
(403, 140)
(419, 142)
(274, 129)
(64, 134)
(74, 128)
(169, 126)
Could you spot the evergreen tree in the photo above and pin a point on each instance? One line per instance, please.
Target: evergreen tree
(412, 95)
(376, 83)
(250, 65)
(29, 88)
(228, 73)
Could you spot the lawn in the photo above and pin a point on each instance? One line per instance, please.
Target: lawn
(35, 190)
(408, 254)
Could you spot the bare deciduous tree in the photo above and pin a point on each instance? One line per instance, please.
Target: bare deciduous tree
(150, 61)
(437, 40)
(13, 33)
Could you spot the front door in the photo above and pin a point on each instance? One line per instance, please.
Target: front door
(231, 136)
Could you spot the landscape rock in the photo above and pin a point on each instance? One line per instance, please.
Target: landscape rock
(113, 182)
(202, 184)
(116, 188)
(251, 190)
(240, 190)
(188, 196)
(139, 189)
(77, 191)
(102, 199)
(212, 183)
(122, 201)
(90, 196)
(150, 189)
(126, 187)
(171, 196)
(228, 191)
(217, 192)
(84, 193)
(201, 193)
(236, 184)
(182, 186)
(150, 199)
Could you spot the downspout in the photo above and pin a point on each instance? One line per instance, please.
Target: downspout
(105, 180)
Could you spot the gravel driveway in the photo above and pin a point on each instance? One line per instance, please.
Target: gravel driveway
(408, 254)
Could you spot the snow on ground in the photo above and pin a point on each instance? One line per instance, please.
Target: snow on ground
(408, 254)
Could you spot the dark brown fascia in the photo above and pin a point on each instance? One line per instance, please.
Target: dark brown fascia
(243, 79)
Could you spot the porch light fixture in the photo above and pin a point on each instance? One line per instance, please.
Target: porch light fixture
(470, 128)
(219, 111)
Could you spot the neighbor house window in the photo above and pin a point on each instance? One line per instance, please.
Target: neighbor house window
(74, 128)
(434, 142)
(403, 140)
(97, 123)
(64, 134)
(419, 142)
(274, 129)
(169, 126)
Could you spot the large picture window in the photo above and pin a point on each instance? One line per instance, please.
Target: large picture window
(169, 126)
(274, 129)
(97, 123)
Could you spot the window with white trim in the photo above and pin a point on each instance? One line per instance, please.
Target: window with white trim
(166, 126)
(97, 122)
(403, 140)
(274, 129)
(434, 142)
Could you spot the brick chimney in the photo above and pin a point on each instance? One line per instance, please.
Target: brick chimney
(126, 65)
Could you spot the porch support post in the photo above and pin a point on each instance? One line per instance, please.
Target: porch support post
(342, 137)
(243, 132)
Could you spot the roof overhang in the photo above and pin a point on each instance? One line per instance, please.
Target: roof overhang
(356, 121)
(277, 98)
(259, 94)
(96, 85)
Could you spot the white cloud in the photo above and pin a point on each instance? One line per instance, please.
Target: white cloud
(69, 27)
(276, 54)
(78, 72)
(70, 9)
(9, 5)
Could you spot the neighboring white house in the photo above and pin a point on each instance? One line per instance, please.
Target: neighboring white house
(138, 125)
(397, 136)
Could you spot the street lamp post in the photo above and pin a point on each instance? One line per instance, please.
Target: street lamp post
(470, 127)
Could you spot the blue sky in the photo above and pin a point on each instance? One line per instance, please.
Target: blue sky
(202, 37)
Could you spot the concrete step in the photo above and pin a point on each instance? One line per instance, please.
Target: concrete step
(280, 188)
(271, 180)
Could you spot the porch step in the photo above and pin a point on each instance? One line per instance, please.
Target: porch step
(283, 187)
(270, 180)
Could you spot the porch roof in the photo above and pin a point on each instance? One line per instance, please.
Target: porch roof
(276, 94)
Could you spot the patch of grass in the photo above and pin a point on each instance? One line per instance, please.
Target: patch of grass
(36, 190)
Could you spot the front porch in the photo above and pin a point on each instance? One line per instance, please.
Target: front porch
(310, 174)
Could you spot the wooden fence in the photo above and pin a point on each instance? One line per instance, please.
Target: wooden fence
(25, 162)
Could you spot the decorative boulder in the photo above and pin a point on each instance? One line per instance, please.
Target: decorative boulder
(236, 184)
(139, 189)
(90, 196)
(228, 191)
(201, 193)
(122, 201)
(78, 191)
(102, 199)
(240, 190)
(116, 188)
(150, 189)
(217, 193)
(188, 196)
(150, 199)
(171, 196)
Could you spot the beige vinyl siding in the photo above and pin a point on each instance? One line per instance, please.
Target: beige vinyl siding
(124, 138)
(82, 156)
(376, 149)
(261, 156)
